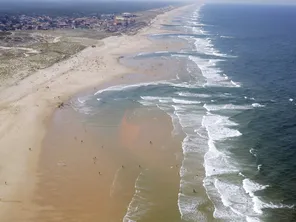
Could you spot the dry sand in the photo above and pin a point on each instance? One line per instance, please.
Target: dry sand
(25, 109)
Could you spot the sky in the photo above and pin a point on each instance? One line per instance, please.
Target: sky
(255, 1)
(209, 1)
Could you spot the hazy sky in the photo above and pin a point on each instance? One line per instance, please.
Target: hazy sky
(255, 1)
(210, 1)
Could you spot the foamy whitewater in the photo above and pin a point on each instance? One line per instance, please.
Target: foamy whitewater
(203, 104)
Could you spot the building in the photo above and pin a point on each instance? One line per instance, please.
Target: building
(128, 15)
(119, 20)
(107, 16)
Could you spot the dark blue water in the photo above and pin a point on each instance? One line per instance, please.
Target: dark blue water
(76, 8)
(263, 39)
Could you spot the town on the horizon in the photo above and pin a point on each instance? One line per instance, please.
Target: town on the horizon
(107, 22)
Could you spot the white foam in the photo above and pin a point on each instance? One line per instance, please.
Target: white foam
(142, 53)
(79, 105)
(203, 31)
(185, 85)
(187, 120)
(188, 94)
(188, 203)
(114, 183)
(251, 187)
(218, 127)
(149, 53)
(176, 125)
(236, 84)
(238, 202)
(204, 45)
(240, 173)
(146, 103)
(211, 72)
(151, 98)
(161, 52)
(257, 105)
(226, 37)
(191, 145)
(125, 87)
(252, 219)
(216, 162)
(253, 152)
(163, 103)
(225, 76)
(291, 100)
(181, 101)
(139, 204)
(259, 167)
(259, 205)
(197, 30)
(236, 205)
(188, 206)
(81, 100)
(132, 86)
(210, 107)
(230, 200)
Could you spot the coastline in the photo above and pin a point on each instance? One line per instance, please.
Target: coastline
(27, 107)
(221, 173)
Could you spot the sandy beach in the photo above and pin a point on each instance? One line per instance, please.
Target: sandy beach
(26, 108)
(88, 172)
(190, 119)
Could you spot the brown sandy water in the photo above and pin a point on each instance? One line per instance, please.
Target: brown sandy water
(88, 171)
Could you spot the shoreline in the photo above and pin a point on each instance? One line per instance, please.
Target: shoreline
(27, 108)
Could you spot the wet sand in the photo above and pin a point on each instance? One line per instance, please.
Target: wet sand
(88, 171)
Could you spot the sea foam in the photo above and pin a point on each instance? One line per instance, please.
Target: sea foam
(139, 204)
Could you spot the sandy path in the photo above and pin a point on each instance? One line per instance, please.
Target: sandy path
(26, 107)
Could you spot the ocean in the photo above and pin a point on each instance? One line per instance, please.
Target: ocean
(235, 104)
(76, 8)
